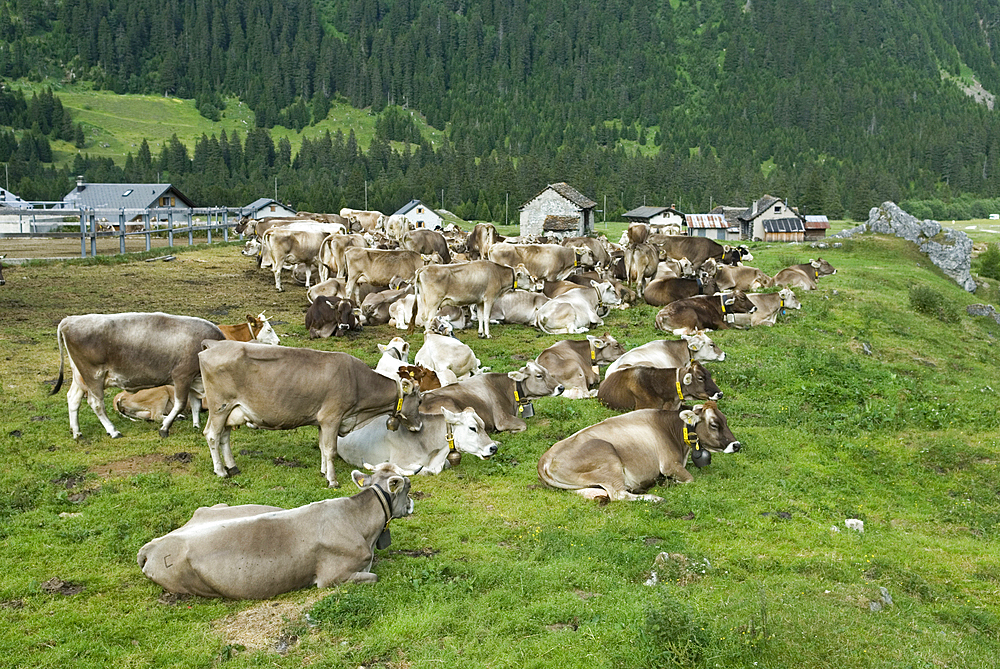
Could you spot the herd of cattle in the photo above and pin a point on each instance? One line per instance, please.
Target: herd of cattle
(375, 270)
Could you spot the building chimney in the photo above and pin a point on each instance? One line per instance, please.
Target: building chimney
(79, 184)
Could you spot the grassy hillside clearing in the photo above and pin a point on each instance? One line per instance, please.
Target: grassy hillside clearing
(854, 407)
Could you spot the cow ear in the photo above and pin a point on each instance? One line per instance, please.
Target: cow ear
(814, 263)
(360, 478)
(730, 302)
(688, 378)
(250, 317)
(395, 483)
(449, 416)
(406, 347)
(382, 348)
(517, 375)
(596, 342)
(407, 385)
(689, 417)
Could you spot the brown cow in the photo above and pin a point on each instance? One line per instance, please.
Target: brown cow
(331, 254)
(481, 240)
(704, 312)
(501, 400)
(282, 388)
(661, 292)
(379, 267)
(545, 262)
(669, 353)
(644, 387)
(327, 316)
(729, 277)
(133, 351)
(700, 249)
(152, 404)
(576, 362)
(804, 276)
(627, 454)
(256, 328)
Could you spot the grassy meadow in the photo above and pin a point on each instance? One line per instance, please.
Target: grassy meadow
(857, 406)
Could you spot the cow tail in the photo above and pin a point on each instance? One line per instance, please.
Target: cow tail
(59, 343)
(416, 304)
(541, 324)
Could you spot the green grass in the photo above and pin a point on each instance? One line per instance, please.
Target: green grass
(115, 125)
(495, 570)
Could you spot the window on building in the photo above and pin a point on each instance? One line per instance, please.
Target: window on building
(273, 208)
(127, 193)
(777, 208)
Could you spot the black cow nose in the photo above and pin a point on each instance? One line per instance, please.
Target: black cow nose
(736, 446)
(717, 396)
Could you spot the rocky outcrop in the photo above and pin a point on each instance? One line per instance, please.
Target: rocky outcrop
(954, 256)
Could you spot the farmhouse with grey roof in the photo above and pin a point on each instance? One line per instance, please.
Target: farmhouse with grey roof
(132, 197)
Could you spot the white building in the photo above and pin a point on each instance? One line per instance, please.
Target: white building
(420, 215)
(660, 219)
(266, 207)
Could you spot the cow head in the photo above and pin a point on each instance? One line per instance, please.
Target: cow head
(469, 432)
(606, 294)
(697, 382)
(822, 267)
(407, 406)
(397, 348)
(524, 281)
(426, 379)
(441, 325)
(713, 432)
(390, 479)
(585, 256)
(536, 381)
(731, 255)
(251, 248)
(737, 302)
(789, 299)
(744, 252)
(702, 348)
(261, 329)
(606, 348)
(707, 269)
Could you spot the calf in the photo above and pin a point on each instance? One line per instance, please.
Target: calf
(256, 328)
(644, 387)
(669, 353)
(627, 454)
(423, 452)
(152, 404)
(326, 317)
(704, 312)
(501, 400)
(575, 363)
(257, 552)
(133, 351)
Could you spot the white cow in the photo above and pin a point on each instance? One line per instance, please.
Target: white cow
(450, 358)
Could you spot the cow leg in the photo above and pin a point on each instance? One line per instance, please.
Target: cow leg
(181, 393)
(217, 435)
(678, 473)
(74, 397)
(484, 320)
(277, 277)
(95, 398)
(327, 454)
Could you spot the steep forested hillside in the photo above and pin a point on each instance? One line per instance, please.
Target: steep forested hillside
(834, 103)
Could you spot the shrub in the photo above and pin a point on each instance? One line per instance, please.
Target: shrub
(672, 635)
(927, 301)
(989, 262)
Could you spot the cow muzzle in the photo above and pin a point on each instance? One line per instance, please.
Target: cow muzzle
(733, 447)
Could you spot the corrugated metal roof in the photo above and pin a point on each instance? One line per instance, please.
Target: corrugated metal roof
(706, 221)
(783, 225)
(817, 223)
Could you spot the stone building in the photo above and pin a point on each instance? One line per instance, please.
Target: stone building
(559, 210)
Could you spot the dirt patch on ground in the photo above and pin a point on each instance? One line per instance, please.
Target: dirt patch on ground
(264, 625)
(139, 464)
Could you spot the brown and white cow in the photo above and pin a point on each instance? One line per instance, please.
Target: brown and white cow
(643, 387)
(280, 388)
(669, 353)
(132, 351)
(331, 254)
(479, 282)
(328, 316)
(623, 456)
(423, 452)
(545, 262)
(255, 551)
(804, 276)
(501, 400)
(256, 328)
(575, 363)
(729, 277)
(379, 267)
(704, 312)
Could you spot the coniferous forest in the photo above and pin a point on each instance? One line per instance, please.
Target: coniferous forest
(835, 105)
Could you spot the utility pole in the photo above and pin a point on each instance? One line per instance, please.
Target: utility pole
(276, 188)
(366, 194)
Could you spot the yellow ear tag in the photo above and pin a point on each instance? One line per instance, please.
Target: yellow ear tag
(399, 405)
(680, 395)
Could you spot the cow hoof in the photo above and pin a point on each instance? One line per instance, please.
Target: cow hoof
(117, 435)
(332, 484)
(164, 433)
(232, 471)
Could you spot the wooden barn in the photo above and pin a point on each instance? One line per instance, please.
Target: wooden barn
(560, 210)
(816, 227)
